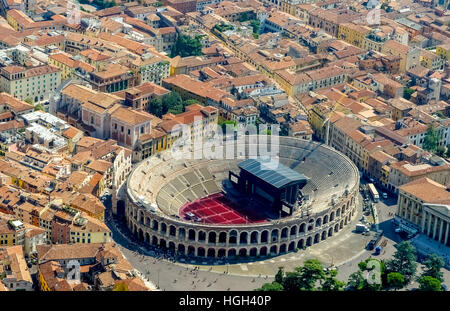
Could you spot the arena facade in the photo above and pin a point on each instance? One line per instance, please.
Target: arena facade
(161, 188)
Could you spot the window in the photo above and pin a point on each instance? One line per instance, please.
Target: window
(142, 130)
(121, 129)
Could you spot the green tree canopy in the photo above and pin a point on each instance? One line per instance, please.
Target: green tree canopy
(187, 46)
(331, 283)
(39, 107)
(169, 103)
(356, 281)
(404, 261)
(433, 266)
(407, 92)
(431, 139)
(271, 287)
(395, 280)
(28, 100)
(429, 283)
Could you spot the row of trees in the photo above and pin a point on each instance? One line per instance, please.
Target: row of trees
(169, 103)
(372, 275)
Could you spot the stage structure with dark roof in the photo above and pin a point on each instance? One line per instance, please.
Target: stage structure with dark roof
(273, 182)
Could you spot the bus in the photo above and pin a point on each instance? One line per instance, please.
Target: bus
(373, 192)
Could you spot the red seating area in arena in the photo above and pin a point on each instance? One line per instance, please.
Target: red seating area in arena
(217, 209)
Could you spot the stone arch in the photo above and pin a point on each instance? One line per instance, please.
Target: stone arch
(191, 250)
(253, 252)
(181, 234)
(264, 236)
(346, 220)
(211, 253)
(181, 249)
(155, 225)
(223, 237)
(302, 228)
(330, 231)
(140, 235)
(254, 237)
(263, 251)
(282, 248)
(291, 246)
(273, 250)
(154, 240)
(147, 237)
(191, 235)
(332, 216)
(242, 252)
(243, 239)
(293, 231)
(200, 252)
(338, 212)
(316, 238)
(147, 221)
(309, 241)
(162, 243)
(141, 217)
(212, 237)
(221, 253)
(231, 252)
(301, 244)
(274, 235)
(232, 237)
(325, 219)
(318, 222)
(135, 229)
(341, 225)
(163, 228)
(171, 246)
(284, 233)
(172, 230)
(324, 235)
(336, 228)
(201, 236)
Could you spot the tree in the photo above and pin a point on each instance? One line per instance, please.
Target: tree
(271, 287)
(169, 103)
(331, 283)
(431, 139)
(404, 261)
(407, 92)
(433, 266)
(395, 280)
(39, 107)
(440, 151)
(279, 275)
(356, 281)
(29, 101)
(429, 283)
(187, 46)
(256, 24)
(309, 274)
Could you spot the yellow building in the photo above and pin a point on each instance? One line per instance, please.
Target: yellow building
(431, 61)
(68, 65)
(353, 34)
(443, 51)
(86, 230)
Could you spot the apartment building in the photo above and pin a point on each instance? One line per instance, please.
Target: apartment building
(34, 83)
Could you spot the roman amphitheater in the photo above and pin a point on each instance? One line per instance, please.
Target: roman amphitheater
(190, 208)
